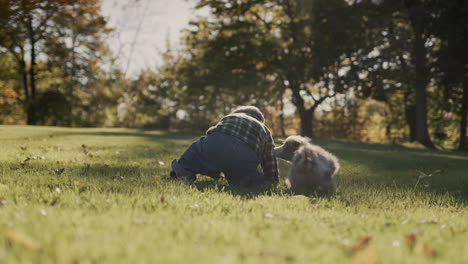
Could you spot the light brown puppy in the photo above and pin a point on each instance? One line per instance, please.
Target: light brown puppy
(312, 167)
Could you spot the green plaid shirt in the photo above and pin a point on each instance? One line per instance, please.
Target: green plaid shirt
(256, 135)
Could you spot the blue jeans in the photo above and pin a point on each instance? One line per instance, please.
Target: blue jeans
(217, 153)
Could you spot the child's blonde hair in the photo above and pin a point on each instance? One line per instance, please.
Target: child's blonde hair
(251, 111)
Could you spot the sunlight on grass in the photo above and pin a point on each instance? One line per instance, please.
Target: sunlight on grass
(113, 203)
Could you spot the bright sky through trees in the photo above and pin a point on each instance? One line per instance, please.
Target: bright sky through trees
(151, 22)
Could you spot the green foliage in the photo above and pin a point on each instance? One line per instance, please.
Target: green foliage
(102, 195)
(10, 105)
(59, 50)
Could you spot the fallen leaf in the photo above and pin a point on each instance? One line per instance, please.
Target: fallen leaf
(458, 231)
(410, 239)
(423, 248)
(22, 240)
(366, 256)
(24, 148)
(361, 243)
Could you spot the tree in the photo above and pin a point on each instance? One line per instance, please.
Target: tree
(47, 27)
(451, 58)
(418, 19)
(299, 44)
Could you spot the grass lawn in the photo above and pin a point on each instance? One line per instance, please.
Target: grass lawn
(113, 203)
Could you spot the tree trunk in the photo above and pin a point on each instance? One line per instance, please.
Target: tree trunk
(307, 119)
(462, 142)
(24, 77)
(31, 104)
(27, 101)
(32, 72)
(411, 121)
(281, 116)
(304, 114)
(416, 16)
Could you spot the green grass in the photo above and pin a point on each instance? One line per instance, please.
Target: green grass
(111, 204)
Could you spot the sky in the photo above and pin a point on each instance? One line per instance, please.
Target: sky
(145, 25)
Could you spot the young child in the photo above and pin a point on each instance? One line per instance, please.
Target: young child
(234, 146)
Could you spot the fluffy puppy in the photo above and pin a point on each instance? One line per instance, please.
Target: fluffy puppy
(312, 167)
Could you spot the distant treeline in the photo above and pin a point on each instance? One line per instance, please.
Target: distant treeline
(379, 71)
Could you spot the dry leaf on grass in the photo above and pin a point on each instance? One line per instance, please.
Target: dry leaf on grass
(410, 239)
(366, 256)
(15, 238)
(419, 247)
(423, 248)
(360, 243)
(458, 231)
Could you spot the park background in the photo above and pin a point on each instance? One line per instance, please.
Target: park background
(98, 97)
(372, 71)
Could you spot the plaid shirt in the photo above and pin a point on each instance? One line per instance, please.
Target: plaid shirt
(256, 135)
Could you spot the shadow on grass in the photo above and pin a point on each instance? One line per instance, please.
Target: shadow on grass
(147, 134)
